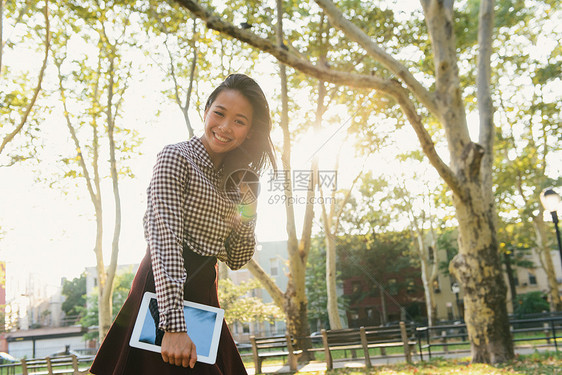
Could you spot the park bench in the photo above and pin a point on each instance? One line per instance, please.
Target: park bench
(366, 338)
(273, 346)
(67, 364)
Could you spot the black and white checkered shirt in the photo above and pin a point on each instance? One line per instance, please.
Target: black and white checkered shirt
(187, 205)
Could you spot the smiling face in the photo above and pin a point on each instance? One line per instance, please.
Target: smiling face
(228, 123)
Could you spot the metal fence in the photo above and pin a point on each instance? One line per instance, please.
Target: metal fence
(537, 331)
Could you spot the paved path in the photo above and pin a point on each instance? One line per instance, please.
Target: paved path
(377, 361)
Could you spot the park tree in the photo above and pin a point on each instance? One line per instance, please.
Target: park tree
(181, 43)
(332, 212)
(28, 26)
(92, 90)
(529, 132)
(516, 243)
(434, 89)
(75, 292)
(193, 58)
(293, 301)
(89, 314)
(420, 209)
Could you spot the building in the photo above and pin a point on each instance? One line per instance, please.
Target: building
(272, 257)
(92, 275)
(533, 280)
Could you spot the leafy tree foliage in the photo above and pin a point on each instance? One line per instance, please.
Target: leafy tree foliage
(316, 286)
(90, 313)
(240, 305)
(75, 292)
(24, 30)
(382, 261)
(531, 303)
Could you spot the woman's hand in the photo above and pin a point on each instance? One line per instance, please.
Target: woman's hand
(178, 349)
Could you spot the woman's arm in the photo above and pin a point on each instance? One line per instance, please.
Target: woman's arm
(165, 233)
(241, 243)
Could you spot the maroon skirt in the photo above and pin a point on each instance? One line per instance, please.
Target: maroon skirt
(116, 357)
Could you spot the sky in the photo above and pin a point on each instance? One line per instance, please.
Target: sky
(49, 232)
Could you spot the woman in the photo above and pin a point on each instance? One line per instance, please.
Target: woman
(195, 215)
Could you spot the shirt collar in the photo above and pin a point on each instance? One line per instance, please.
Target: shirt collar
(203, 156)
(201, 152)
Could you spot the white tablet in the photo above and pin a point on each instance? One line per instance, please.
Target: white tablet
(204, 324)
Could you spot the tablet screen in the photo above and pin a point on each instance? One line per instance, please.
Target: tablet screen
(204, 324)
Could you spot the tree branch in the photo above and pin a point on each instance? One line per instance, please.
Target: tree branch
(31, 103)
(484, 96)
(114, 175)
(193, 65)
(374, 50)
(427, 144)
(74, 137)
(268, 284)
(286, 57)
(388, 86)
(173, 73)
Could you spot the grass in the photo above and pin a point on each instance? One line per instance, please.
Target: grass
(545, 363)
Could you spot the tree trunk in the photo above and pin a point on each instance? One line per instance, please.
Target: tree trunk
(477, 266)
(108, 287)
(333, 311)
(428, 292)
(543, 251)
(384, 315)
(104, 299)
(294, 301)
(511, 280)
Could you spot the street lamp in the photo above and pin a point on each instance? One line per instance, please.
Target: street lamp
(551, 201)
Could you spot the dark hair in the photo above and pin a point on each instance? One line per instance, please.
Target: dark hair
(255, 152)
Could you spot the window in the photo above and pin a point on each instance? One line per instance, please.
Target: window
(430, 253)
(532, 279)
(515, 280)
(355, 286)
(273, 266)
(245, 327)
(411, 288)
(450, 315)
(436, 287)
